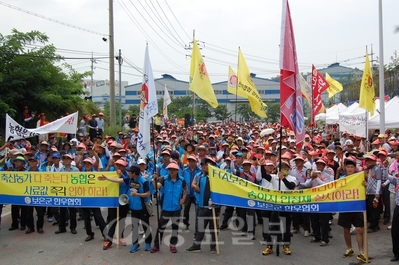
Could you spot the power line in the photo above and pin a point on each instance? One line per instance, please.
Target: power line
(160, 19)
(132, 18)
(154, 29)
(167, 19)
(176, 19)
(59, 57)
(51, 19)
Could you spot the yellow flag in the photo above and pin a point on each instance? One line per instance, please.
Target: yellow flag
(200, 83)
(246, 85)
(366, 99)
(335, 86)
(232, 84)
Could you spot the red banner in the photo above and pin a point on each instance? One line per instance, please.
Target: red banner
(319, 85)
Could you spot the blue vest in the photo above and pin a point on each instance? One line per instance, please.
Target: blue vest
(172, 193)
(202, 184)
(135, 202)
(188, 176)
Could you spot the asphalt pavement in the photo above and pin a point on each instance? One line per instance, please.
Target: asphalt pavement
(16, 247)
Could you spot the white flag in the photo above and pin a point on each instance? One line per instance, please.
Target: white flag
(148, 107)
(67, 124)
(166, 102)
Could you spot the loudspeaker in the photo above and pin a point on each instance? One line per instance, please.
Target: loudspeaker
(123, 199)
(187, 120)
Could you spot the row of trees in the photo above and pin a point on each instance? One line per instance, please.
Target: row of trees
(33, 74)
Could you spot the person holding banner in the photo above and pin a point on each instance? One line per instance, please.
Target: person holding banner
(173, 197)
(202, 188)
(320, 226)
(33, 167)
(287, 183)
(302, 174)
(67, 167)
(138, 195)
(352, 218)
(88, 166)
(120, 166)
(19, 165)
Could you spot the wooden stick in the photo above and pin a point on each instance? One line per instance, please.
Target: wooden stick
(117, 227)
(366, 238)
(216, 230)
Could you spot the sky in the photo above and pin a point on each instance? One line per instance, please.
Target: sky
(326, 31)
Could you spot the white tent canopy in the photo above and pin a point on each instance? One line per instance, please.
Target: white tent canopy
(354, 120)
(331, 115)
(391, 110)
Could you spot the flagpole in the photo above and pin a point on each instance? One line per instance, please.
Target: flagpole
(238, 82)
(311, 107)
(366, 236)
(156, 180)
(279, 184)
(367, 132)
(381, 69)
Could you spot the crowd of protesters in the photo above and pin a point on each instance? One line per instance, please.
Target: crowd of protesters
(176, 172)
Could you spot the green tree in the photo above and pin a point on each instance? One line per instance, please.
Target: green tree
(273, 112)
(203, 110)
(221, 112)
(244, 110)
(134, 109)
(36, 76)
(180, 106)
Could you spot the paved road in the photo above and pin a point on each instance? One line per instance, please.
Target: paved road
(18, 248)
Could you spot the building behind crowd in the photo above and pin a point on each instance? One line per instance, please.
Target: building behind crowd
(268, 89)
(99, 91)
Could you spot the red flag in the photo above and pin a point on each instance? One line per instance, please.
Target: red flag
(291, 105)
(319, 85)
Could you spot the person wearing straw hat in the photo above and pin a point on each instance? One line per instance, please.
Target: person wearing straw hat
(172, 199)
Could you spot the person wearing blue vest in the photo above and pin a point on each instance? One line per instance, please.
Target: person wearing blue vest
(120, 165)
(189, 173)
(138, 195)
(88, 166)
(67, 167)
(175, 192)
(202, 187)
(33, 167)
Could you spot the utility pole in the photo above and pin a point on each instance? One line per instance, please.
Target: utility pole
(92, 71)
(120, 62)
(189, 47)
(112, 117)
(381, 52)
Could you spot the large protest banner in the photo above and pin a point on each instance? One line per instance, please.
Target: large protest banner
(58, 189)
(353, 123)
(343, 195)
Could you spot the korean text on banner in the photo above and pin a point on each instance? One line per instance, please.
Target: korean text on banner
(343, 195)
(58, 189)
